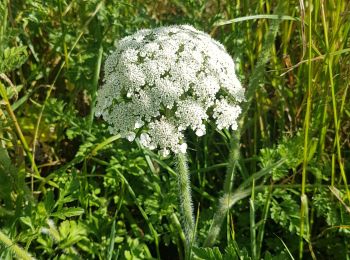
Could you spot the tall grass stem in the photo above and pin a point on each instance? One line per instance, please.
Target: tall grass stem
(303, 197)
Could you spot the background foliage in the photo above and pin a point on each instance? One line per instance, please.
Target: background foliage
(68, 192)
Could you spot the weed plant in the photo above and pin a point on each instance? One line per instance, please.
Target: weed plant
(277, 188)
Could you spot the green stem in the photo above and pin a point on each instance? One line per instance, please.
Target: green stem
(20, 135)
(96, 75)
(225, 203)
(233, 160)
(252, 222)
(143, 213)
(104, 143)
(257, 76)
(303, 209)
(20, 252)
(261, 231)
(179, 232)
(186, 206)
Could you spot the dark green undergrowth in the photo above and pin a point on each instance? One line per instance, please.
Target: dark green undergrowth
(70, 190)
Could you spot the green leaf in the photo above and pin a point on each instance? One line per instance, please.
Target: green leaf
(68, 212)
(13, 91)
(285, 210)
(49, 201)
(256, 17)
(13, 58)
(71, 232)
(206, 253)
(7, 171)
(27, 221)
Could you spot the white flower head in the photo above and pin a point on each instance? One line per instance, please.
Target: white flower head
(190, 113)
(226, 114)
(160, 82)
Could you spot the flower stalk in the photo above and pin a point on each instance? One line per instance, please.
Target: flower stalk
(185, 198)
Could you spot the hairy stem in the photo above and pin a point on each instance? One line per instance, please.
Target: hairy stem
(186, 206)
(225, 203)
(256, 77)
(20, 252)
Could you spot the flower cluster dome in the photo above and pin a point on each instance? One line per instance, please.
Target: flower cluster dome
(159, 82)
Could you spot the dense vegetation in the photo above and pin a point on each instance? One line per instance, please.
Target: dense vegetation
(70, 190)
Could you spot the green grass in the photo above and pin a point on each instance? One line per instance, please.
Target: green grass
(275, 189)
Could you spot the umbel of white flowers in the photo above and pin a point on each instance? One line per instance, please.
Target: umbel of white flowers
(159, 82)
